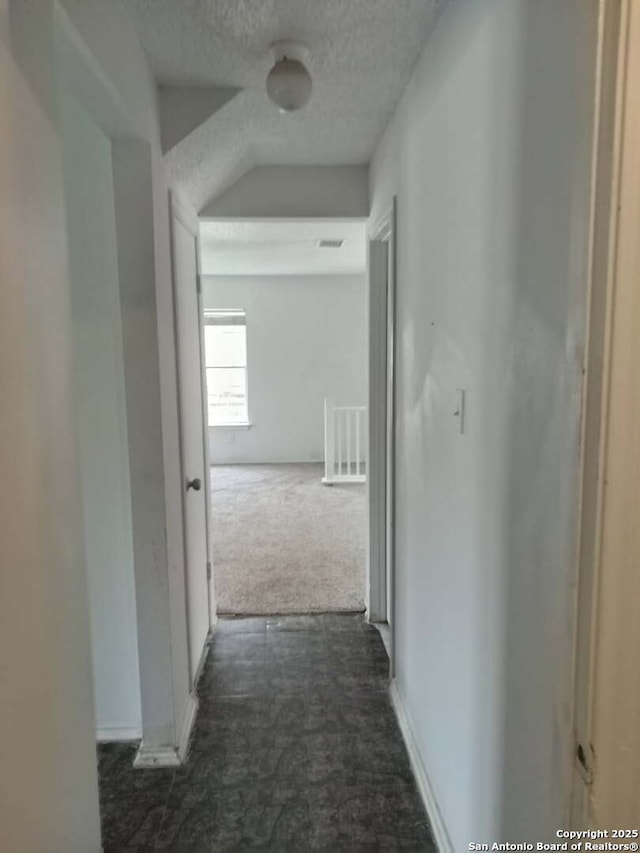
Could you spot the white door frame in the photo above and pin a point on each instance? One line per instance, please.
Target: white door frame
(601, 286)
(189, 220)
(381, 458)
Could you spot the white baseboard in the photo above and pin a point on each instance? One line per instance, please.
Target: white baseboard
(385, 634)
(203, 656)
(152, 755)
(438, 827)
(186, 727)
(107, 734)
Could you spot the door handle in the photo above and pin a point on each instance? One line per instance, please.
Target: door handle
(196, 484)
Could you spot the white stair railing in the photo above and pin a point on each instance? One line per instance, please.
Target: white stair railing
(345, 443)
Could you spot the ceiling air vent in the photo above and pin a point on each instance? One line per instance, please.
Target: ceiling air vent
(330, 244)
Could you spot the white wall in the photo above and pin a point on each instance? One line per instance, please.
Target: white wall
(305, 342)
(488, 155)
(102, 423)
(48, 783)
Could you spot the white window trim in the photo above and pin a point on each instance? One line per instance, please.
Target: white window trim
(239, 425)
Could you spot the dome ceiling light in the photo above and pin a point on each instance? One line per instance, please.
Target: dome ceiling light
(289, 83)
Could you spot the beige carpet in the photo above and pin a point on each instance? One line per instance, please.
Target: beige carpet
(284, 543)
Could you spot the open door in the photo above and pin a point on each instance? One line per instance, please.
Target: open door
(193, 431)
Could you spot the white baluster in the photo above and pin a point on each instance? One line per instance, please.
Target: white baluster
(345, 442)
(357, 442)
(328, 429)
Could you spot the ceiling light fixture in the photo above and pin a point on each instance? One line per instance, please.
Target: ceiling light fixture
(289, 83)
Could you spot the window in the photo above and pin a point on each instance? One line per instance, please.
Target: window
(225, 346)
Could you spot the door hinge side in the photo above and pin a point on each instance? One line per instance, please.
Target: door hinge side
(198, 283)
(209, 570)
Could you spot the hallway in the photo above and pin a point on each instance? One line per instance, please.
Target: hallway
(220, 222)
(296, 747)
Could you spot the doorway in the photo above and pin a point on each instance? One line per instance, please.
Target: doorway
(285, 343)
(382, 290)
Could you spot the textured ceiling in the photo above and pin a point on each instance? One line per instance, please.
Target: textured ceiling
(281, 248)
(361, 56)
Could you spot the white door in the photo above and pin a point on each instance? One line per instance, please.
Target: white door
(193, 438)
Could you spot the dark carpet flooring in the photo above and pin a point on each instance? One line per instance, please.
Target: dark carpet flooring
(296, 748)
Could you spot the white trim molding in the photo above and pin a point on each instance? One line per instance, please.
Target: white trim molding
(154, 755)
(203, 657)
(436, 821)
(112, 734)
(381, 457)
(188, 720)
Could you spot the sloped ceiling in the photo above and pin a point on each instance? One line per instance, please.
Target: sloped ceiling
(362, 53)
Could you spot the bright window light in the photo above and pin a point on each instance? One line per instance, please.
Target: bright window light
(225, 345)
